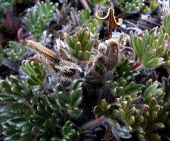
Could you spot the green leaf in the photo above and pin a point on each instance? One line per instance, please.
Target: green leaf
(35, 72)
(121, 131)
(133, 88)
(75, 97)
(14, 108)
(151, 87)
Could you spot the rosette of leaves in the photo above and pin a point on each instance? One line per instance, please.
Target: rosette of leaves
(80, 44)
(89, 21)
(15, 51)
(30, 114)
(36, 20)
(123, 70)
(35, 72)
(150, 48)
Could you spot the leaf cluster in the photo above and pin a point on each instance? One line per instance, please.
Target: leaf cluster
(35, 72)
(70, 101)
(166, 24)
(136, 5)
(102, 2)
(89, 21)
(29, 113)
(36, 20)
(111, 115)
(123, 70)
(80, 44)
(151, 48)
(124, 88)
(15, 51)
(144, 114)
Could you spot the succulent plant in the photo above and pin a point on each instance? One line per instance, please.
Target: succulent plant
(136, 5)
(15, 51)
(35, 72)
(123, 70)
(94, 91)
(144, 117)
(89, 21)
(69, 101)
(35, 114)
(102, 2)
(150, 48)
(80, 44)
(37, 19)
(150, 116)
(132, 5)
(123, 88)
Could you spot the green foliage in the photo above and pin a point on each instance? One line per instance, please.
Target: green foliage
(70, 101)
(89, 21)
(38, 28)
(80, 44)
(37, 18)
(166, 29)
(150, 116)
(166, 98)
(16, 91)
(166, 88)
(46, 10)
(110, 112)
(84, 15)
(136, 5)
(68, 133)
(102, 2)
(1, 54)
(167, 60)
(123, 70)
(106, 109)
(30, 114)
(31, 111)
(166, 24)
(35, 72)
(15, 51)
(145, 113)
(150, 48)
(131, 5)
(124, 88)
